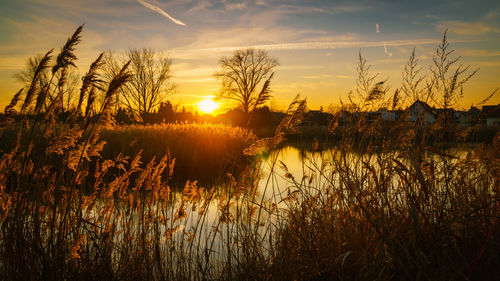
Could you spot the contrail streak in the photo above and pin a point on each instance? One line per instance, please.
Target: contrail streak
(386, 51)
(161, 12)
(329, 45)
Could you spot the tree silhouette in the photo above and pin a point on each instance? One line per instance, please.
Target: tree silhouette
(150, 84)
(166, 112)
(246, 77)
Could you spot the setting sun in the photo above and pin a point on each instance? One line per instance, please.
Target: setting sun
(255, 139)
(208, 106)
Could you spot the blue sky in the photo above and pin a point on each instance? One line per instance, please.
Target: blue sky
(316, 42)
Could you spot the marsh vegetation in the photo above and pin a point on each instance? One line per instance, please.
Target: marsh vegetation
(84, 199)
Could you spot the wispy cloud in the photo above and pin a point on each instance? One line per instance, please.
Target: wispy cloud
(492, 63)
(200, 6)
(480, 53)
(304, 86)
(328, 9)
(329, 45)
(40, 35)
(161, 12)
(209, 52)
(389, 54)
(320, 76)
(194, 74)
(200, 96)
(12, 63)
(344, 77)
(492, 15)
(466, 28)
(234, 6)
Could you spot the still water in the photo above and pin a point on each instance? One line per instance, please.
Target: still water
(278, 175)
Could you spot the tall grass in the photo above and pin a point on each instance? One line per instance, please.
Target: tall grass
(192, 145)
(391, 215)
(69, 213)
(385, 203)
(394, 200)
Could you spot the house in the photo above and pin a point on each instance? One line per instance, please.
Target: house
(467, 118)
(387, 115)
(461, 117)
(448, 115)
(421, 110)
(491, 114)
(473, 115)
(371, 116)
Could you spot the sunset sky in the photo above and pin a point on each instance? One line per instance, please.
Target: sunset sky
(316, 42)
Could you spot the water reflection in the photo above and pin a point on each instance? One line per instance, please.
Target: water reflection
(281, 174)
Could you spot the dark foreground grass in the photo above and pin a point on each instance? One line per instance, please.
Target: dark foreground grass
(385, 204)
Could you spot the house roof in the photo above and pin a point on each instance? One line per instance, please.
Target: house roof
(491, 111)
(488, 108)
(474, 109)
(424, 105)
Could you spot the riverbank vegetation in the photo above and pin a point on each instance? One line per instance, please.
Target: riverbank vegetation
(82, 199)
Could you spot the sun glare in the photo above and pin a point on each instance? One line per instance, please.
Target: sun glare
(208, 106)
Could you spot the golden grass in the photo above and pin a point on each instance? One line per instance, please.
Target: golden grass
(193, 145)
(388, 204)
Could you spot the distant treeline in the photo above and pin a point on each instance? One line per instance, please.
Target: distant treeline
(263, 121)
(315, 125)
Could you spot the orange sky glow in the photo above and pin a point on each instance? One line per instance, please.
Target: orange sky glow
(316, 42)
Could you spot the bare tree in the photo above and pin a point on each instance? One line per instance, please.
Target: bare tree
(246, 77)
(26, 75)
(150, 83)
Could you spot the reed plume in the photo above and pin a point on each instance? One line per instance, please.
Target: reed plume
(67, 56)
(384, 203)
(64, 59)
(265, 93)
(489, 97)
(295, 114)
(122, 77)
(9, 109)
(449, 75)
(376, 93)
(395, 99)
(90, 102)
(40, 100)
(412, 80)
(42, 65)
(91, 79)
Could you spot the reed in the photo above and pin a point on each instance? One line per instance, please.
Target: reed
(193, 145)
(81, 199)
